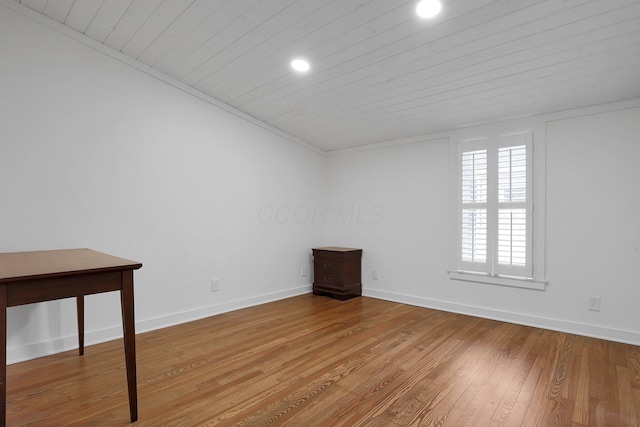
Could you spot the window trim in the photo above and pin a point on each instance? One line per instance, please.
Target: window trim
(536, 185)
(516, 282)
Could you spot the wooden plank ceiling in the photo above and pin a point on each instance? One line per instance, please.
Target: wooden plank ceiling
(379, 73)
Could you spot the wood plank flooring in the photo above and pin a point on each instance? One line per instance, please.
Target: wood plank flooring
(315, 361)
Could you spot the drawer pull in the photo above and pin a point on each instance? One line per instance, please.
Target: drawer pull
(328, 265)
(327, 278)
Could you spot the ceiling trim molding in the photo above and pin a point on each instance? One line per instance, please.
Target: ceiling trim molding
(393, 143)
(106, 50)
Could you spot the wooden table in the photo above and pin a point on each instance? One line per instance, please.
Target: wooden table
(30, 277)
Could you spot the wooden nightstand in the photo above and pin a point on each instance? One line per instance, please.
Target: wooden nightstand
(337, 272)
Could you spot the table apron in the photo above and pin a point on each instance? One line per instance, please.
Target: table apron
(40, 290)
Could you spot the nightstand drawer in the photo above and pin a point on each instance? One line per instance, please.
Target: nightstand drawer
(327, 264)
(327, 278)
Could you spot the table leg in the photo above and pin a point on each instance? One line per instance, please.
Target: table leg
(3, 354)
(80, 310)
(128, 325)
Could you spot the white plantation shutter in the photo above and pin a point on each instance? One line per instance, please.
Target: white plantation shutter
(474, 235)
(514, 248)
(512, 237)
(474, 206)
(496, 206)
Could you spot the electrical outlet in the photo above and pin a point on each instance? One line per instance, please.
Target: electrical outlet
(215, 285)
(303, 271)
(374, 274)
(594, 303)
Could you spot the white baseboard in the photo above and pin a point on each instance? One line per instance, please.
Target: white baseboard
(191, 315)
(32, 351)
(594, 331)
(46, 348)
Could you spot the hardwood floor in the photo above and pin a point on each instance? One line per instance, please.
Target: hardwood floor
(315, 361)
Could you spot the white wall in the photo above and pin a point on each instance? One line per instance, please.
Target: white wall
(593, 232)
(94, 153)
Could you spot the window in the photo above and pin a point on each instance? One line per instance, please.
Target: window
(495, 211)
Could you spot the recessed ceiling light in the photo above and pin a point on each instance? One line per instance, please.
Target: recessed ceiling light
(428, 8)
(300, 65)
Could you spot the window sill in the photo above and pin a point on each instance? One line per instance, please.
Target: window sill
(497, 280)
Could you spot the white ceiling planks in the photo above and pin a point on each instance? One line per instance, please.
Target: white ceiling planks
(373, 69)
(335, 25)
(344, 53)
(58, 10)
(268, 39)
(293, 39)
(169, 37)
(104, 22)
(250, 26)
(193, 37)
(441, 89)
(161, 20)
(207, 43)
(378, 73)
(130, 22)
(463, 52)
(81, 14)
(494, 77)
